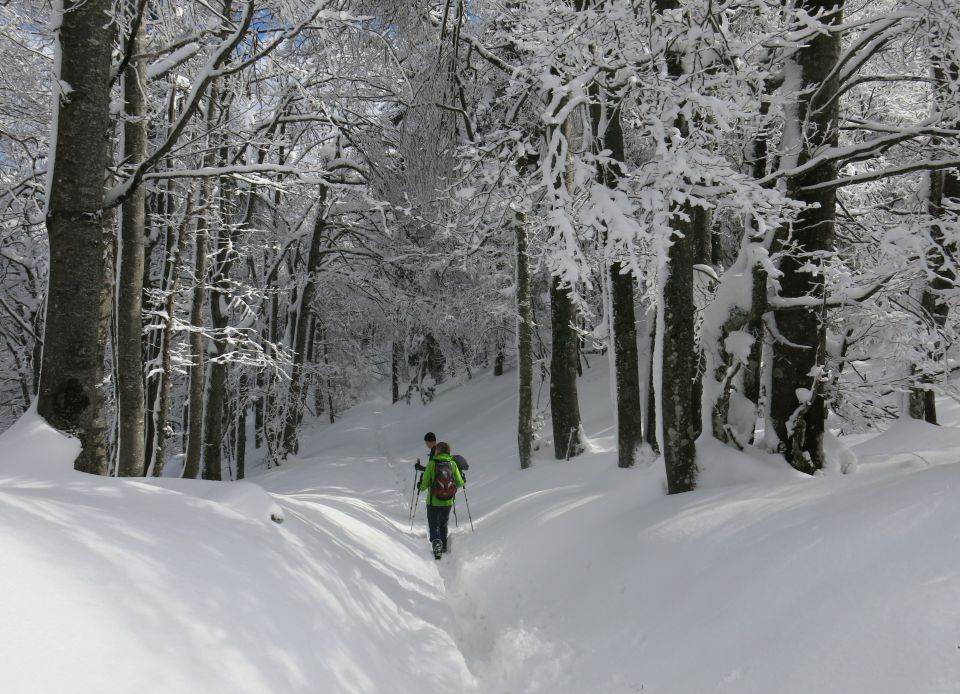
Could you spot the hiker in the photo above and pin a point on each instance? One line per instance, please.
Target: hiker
(430, 439)
(441, 479)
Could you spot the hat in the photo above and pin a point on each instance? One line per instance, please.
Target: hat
(429, 436)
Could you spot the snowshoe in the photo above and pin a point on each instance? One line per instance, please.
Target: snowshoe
(437, 549)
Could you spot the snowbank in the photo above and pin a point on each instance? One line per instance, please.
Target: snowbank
(580, 576)
(118, 586)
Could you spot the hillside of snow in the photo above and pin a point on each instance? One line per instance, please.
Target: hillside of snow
(577, 577)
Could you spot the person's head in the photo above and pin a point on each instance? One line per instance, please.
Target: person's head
(430, 439)
(443, 447)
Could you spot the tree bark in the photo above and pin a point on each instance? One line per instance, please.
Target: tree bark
(679, 365)
(242, 406)
(396, 360)
(627, 366)
(650, 433)
(564, 402)
(131, 409)
(679, 355)
(524, 347)
(798, 351)
(701, 226)
(78, 301)
(194, 452)
(499, 357)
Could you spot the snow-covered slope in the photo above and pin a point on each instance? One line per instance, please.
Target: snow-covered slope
(579, 576)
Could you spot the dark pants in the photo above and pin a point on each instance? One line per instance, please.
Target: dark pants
(437, 517)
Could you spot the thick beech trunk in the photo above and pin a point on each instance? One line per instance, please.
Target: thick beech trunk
(70, 396)
(797, 407)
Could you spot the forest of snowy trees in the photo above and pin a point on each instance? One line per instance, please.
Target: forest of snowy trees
(218, 217)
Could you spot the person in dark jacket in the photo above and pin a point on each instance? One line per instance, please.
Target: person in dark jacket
(430, 439)
(438, 510)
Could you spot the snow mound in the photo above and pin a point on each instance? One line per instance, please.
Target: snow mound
(245, 498)
(32, 447)
(720, 465)
(911, 443)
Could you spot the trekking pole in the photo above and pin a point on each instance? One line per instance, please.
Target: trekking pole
(467, 501)
(456, 518)
(413, 511)
(413, 493)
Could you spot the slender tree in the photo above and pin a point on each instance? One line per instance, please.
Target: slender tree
(130, 386)
(525, 328)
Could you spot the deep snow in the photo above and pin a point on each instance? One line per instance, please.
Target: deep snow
(579, 576)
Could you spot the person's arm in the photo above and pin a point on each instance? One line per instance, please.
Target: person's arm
(426, 479)
(459, 476)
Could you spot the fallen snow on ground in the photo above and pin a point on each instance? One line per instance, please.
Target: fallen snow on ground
(577, 577)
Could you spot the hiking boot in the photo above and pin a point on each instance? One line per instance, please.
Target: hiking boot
(437, 549)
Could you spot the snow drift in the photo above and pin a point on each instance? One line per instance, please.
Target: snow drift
(579, 577)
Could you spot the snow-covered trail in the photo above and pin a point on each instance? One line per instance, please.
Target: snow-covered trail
(361, 501)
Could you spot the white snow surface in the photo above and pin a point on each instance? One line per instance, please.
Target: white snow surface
(579, 576)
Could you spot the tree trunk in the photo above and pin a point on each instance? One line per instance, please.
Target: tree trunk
(295, 397)
(216, 397)
(216, 402)
(396, 359)
(174, 246)
(70, 397)
(608, 134)
(702, 230)
(944, 186)
(564, 402)
(799, 352)
(329, 382)
(627, 366)
(678, 364)
(499, 357)
(524, 347)
(194, 450)
(650, 434)
(242, 406)
(130, 388)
